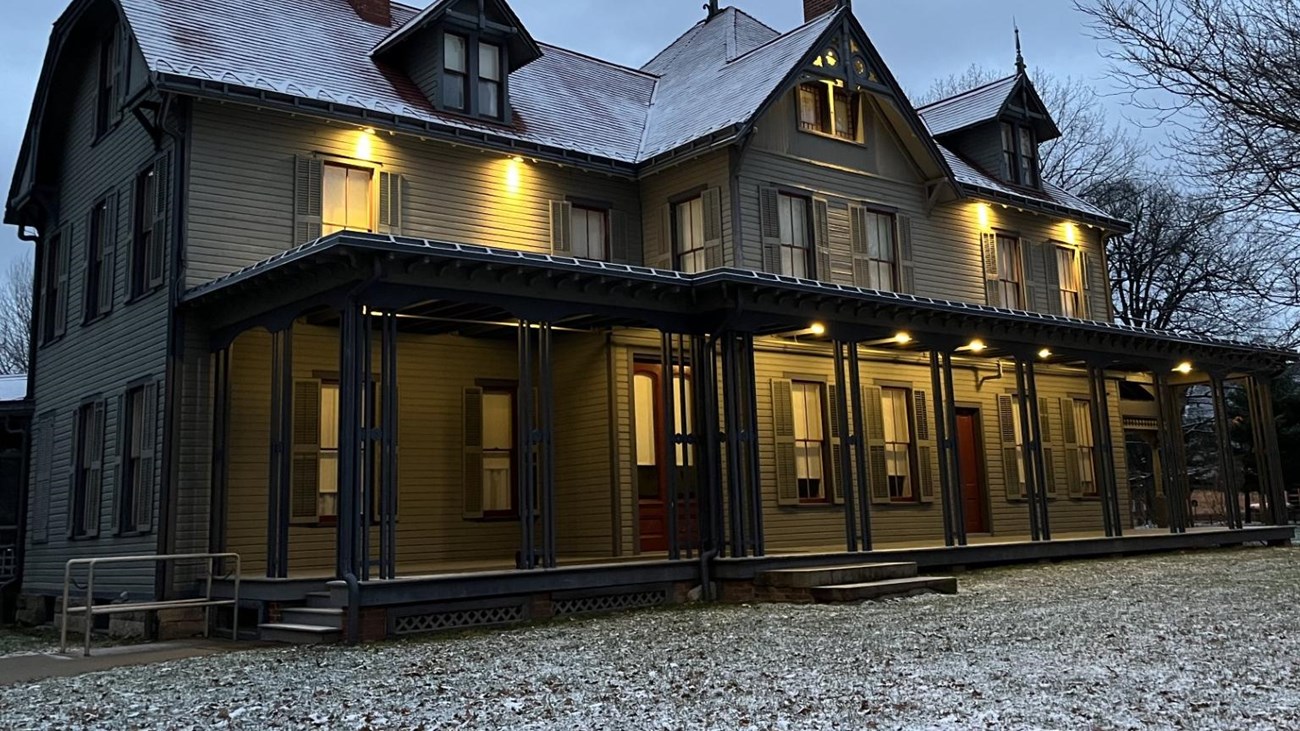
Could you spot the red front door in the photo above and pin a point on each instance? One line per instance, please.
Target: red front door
(973, 494)
(654, 458)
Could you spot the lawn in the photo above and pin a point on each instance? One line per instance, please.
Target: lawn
(1205, 640)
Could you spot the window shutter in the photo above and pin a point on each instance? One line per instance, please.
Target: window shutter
(114, 469)
(906, 262)
(711, 202)
(305, 482)
(74, 459)
(161, 235)
(1073, 479)
(822, 240)
(94, 228)
(95, 475)
(108, 256)
(769, 224)
(61, 301)
(838, 478)
(860, 247)
(925, 447)
(391, 202)
(1045, 426)
(308, 175)
(472, 448)
(659, 249)
(618, 238)
(877, 460)
(1036, 287)
(118, 52)
(989, 243)
(1093, 306)
(561, 228)
(144, 488)
(40, 499)
(787, 473)
(1051, 280)
(1011, 462)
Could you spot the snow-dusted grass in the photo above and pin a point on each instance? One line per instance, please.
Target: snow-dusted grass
(1205, 640)
(20, 642)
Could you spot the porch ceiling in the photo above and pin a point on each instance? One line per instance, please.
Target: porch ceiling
(442, 287)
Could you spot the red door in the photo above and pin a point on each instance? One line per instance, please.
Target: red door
(973, 494)
(653, 460)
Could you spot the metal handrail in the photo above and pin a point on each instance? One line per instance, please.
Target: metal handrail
(89, 609)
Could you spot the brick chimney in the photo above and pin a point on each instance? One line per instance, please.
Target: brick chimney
(379, 12)
(817, 8)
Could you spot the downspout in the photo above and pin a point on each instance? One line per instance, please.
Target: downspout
(979, 385)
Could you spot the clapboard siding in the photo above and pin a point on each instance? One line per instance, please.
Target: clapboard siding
(982, 146)
(657, 189)
(241, 188)
(99, 359)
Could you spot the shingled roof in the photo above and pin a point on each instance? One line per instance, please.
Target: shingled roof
(968, 108)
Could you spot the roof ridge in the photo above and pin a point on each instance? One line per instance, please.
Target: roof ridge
(698, 24)
(751, 17)
(603, 62)
(971, 90)
(787, 34)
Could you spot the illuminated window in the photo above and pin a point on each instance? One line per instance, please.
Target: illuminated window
(882, 256)
(688, 235)
(830, 110)
(590, 233)
(1020, 442)
(898, 442)
(1083, 432)
(327, 493)
(795, 245)
(499, 451)
(345, 199)
(1010, 280)
(1067, 267)
(455, 65)
(810, 440)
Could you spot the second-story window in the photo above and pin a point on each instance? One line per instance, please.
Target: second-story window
(688, 236)
(796, 246)
(590, 232)
(108, 82)
(346, 203)
(455, 65)
(882, 251)
(1010, 279)
(489, 79)
(98, 287)
(473, 76)
(830, 110)
(53, 291)
(1067, 267)
(1020, 154)
(148, 219)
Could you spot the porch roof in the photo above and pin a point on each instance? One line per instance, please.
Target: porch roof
(397, 272)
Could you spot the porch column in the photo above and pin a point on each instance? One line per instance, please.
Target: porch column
(281, 458)
(1040, 456)
(840, 430)
(351, 521)
(1227, 465)
(219, 503)
(947, 491)
(1267, 457)
(673, 401)
(1173, 469)
(954, 456)
(744, 488)
(1030, 447)
(387, 447)
(1108, 486)
(708, 464)
(368, 457)
(536, 446)
(859, 441)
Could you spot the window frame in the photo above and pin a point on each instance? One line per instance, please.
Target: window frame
(679, 254)
(809, 236)
(471, 80)
(1020, 159)
(455, 78)
(825, 94)
(127, 478)
(589, 208)
(144, 221)
(108, 78)
(96, 240)
(51, 286)
(1017, 262)
(511, 389)
(78, 527)
(1075, 269)
(913, 463)
(1085, 446)
(827, 489)
(895, 265)
(372, 193)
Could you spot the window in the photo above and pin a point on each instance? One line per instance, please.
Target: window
(1028, 157)
(109, 79)
(345, 199)
(1083, 431)
(135, 502)
(829, 109)
(1020, 154)
(147, 222)
(327, 492)
(1009, 272)
(88, 445)
(590, 232)
(52, 290)
(1019, 428)
(882, 251)
(499, 465)
(898, 442)
(688, 230)
(489, 80)
(455, 64)
(810, 440)
(99, 275)
(795, 244)
(1067, 267)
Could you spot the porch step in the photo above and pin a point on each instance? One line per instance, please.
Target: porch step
(313, 616)
(320, 600)
(889, 588)
(827, 575)
(298, 634)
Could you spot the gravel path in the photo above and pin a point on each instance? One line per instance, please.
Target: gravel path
(1200, 641)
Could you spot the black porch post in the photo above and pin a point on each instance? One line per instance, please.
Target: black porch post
(1267, 455)
(1031, 449)
(731, 415)
(841, 415)
(388, 453)
(1040, 458)
(668, 360)
(1227, 465)
(220, 498)
(946, 491)
(749, 377)
(950, 395)
(1169, 433)
(351, 375)
(525, 443)
(1108, 488)
(859, 440)
(546, 427)
(708, 467)
(281, 463)
(368, 459)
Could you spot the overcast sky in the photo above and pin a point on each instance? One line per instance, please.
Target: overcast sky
(921, 40)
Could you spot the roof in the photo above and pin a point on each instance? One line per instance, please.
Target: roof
(968, 108)
(13, 387)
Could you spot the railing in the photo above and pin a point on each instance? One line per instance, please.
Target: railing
(206, 602)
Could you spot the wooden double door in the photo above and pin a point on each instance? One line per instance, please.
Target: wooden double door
(655, 457)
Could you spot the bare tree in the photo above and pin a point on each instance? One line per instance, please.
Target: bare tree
(1092, 150)
(16, 316)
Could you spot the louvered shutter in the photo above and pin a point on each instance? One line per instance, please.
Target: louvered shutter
(1070, 437)
(1049, 452)
(1093, 304)
(472, 453)
(74, 459)
(95, 473)
(877, 458)
(309, 174)
(159, 241)
(145, 481)
(861, 248)
(711, 202)
(561, 228)
(787, 471)
(659, 249)
(618, 238)
(304, 488)
(1036, 285)
(114, 467)
(1011, 461)
(108, 256)
(61, 298)
(822, 240)
(989, 244)
(392, 199)
(906, 262)
(925, 447)
(40, 498)
(769, 224)
(118, 53)
(1051, 280)
(838, 445)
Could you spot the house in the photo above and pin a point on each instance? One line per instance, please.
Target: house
(409, 307)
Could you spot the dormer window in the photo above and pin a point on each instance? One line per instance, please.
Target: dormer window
(1020, 154)
(455, 88)
(472, 64)
(489, 79)
(827, 108)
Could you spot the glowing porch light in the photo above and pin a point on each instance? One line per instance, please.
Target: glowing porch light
(1045, 354)
(817, 329)
(983, 212)
(902, 338)
(1184, 368)
(365, 144)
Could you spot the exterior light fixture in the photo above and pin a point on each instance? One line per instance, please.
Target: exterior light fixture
(902, 338)
(975, 346)
(817, 329)
(368, 130)
(1044, 354)
(1184, 368)
(516, 158)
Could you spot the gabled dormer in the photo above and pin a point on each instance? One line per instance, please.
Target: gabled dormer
(832, 87)
(461, 53)
(998, 126)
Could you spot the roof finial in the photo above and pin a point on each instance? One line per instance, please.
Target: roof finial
(1020, 57)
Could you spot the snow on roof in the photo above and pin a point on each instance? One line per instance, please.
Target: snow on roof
(968, 174)
(13, 387)
(968, 108)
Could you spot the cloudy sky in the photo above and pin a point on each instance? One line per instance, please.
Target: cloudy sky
(921, 40)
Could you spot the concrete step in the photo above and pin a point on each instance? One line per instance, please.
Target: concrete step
(298, 634)
(825, 575)
(313, 616)
(320, 600)
(889, 588)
